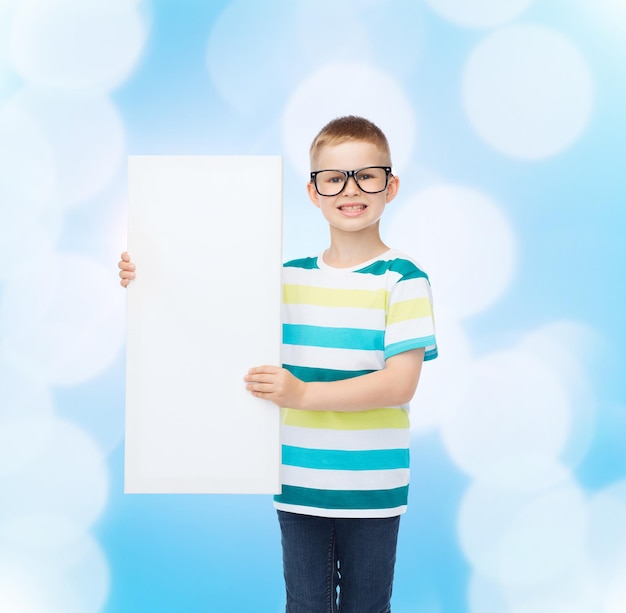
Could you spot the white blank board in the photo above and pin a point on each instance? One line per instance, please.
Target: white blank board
(205, 233)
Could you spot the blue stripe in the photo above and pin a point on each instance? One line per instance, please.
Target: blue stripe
(337, 338)
(408, 345)
(344, 499)
(330, 459)
(307, 373)
(431, 354)
(405, 268)
(306, 263)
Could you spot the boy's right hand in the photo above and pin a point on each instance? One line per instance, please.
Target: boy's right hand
(127, 269)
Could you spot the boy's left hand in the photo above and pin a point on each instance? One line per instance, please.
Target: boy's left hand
(275, 384)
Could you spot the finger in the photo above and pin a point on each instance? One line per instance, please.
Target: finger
(125, 256)
(261, 388)
(263, 370)
(256, 386)
(259, 378)
(262, 396)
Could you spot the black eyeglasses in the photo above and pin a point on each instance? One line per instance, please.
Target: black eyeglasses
(371, 180)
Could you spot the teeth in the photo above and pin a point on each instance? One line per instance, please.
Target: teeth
(356, 207)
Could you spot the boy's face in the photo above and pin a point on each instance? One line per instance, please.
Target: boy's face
(352, 210)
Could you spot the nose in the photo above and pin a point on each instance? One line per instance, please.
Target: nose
(351, 187)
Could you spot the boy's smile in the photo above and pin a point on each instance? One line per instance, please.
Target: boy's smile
(352, 210)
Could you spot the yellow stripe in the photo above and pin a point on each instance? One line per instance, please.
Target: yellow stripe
(376, 419)
(324, 296)
(409, 309)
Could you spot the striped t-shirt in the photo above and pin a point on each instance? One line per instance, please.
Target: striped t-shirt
(340, 323)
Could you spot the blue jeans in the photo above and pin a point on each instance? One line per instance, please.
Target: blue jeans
(338, 565)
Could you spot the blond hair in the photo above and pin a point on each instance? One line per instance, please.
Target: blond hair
(349, 128)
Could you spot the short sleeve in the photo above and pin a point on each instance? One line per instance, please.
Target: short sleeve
(410, 320)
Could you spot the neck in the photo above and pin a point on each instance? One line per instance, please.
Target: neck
(351, 248)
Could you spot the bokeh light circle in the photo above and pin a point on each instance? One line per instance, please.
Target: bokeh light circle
(26, 415)
(567, 347)
(543, 605)
(77, 45)
(367, 39)
(514, 408)
(442, 386)
(569, 592)
(528, 91)
(67, 477)
(16, 589)
(485, 595)
(479, 13)
(357, 89)
(22, 396)
(606, 541)
(61, 319)
(464, 241)
(249, 83)
(21, 440)
(27, 160)
(68, 578)
(523, 538)
(28, 179)
(86, 136)
(25, 235)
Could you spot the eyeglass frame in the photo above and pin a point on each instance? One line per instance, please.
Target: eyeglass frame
(350, 173)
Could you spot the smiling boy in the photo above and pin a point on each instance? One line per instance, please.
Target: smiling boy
(357, 326)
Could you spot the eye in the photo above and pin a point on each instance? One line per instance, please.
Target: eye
(331, 177)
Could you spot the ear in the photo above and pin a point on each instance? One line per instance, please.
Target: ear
(393, 187)
(313, 195)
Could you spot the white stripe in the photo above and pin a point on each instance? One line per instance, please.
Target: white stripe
(314, 315)
(343, 280)
(350, 440)
(344, 479)
(409, 329)
(329, 357)
(345, 513)
(410, 289)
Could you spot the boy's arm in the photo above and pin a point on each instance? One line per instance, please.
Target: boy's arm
(394, 385)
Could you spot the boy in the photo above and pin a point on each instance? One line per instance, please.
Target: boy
(357, 326)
